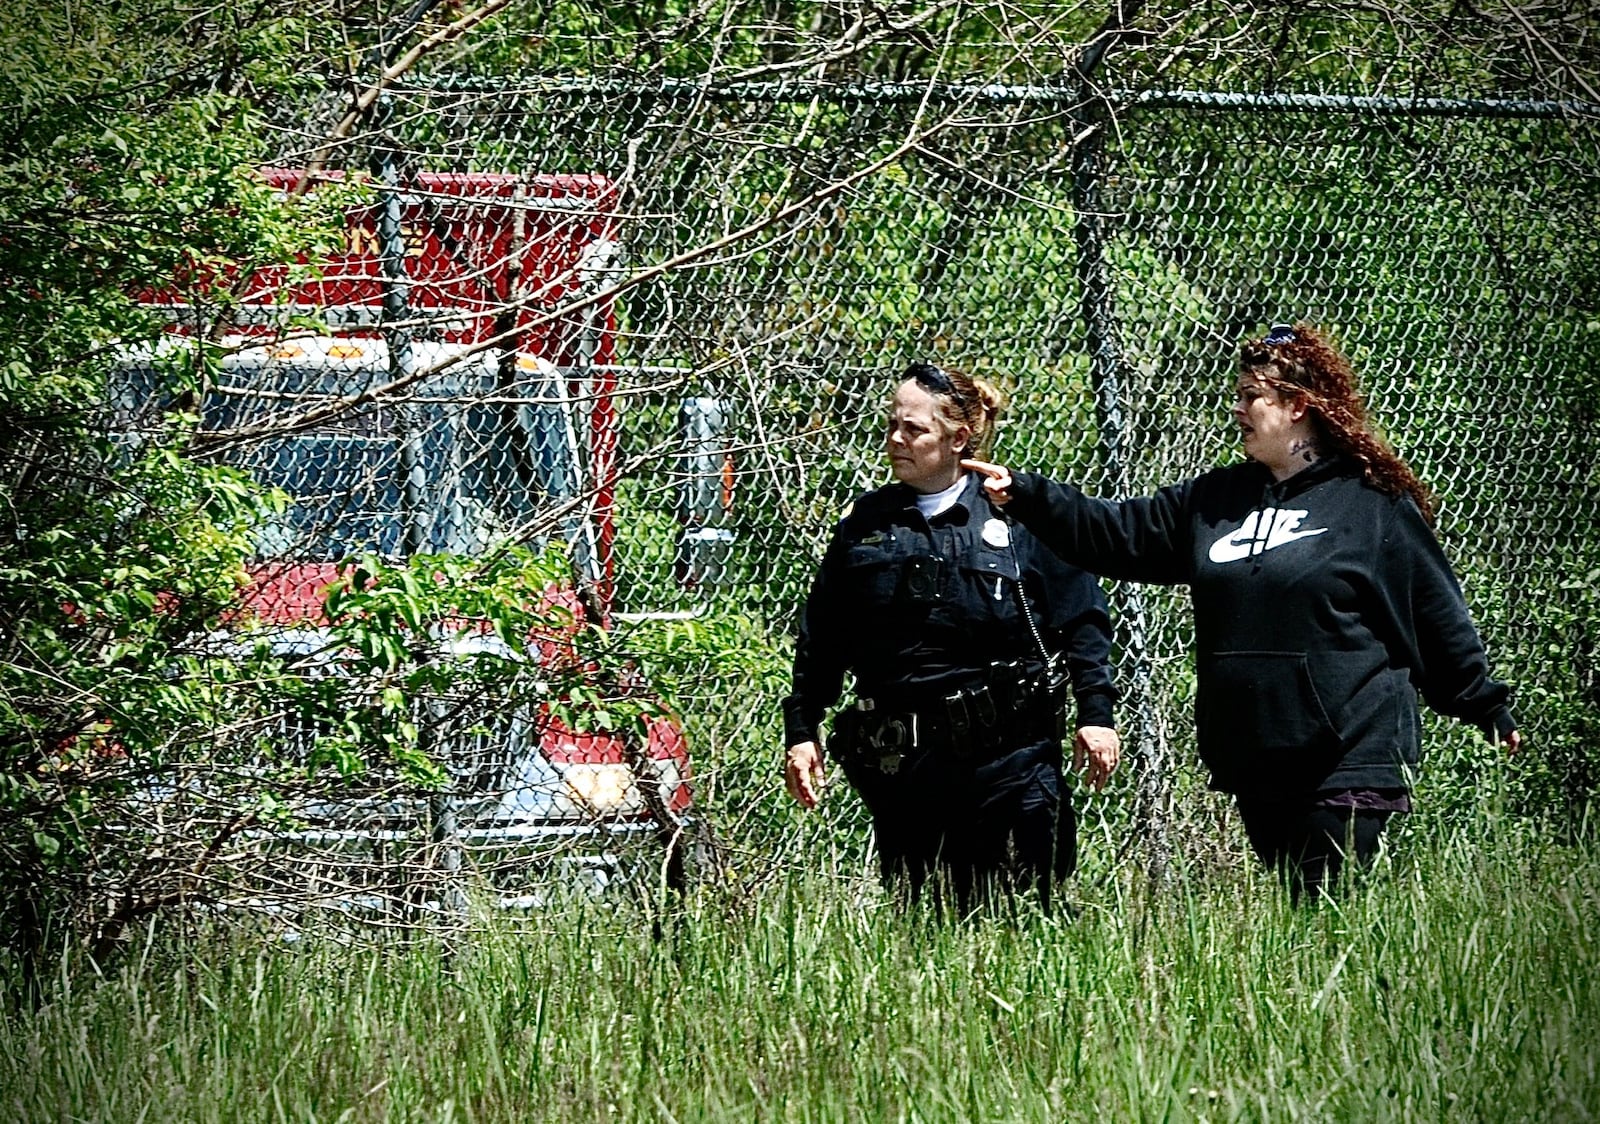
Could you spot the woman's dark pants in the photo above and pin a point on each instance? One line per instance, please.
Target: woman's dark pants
(1307, 844)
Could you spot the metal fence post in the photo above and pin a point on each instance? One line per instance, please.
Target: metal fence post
(1105, 361)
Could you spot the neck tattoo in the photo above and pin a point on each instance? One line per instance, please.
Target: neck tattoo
(1305, 450)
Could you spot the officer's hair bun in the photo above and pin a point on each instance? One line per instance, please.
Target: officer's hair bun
(988, 402)
(990, 398)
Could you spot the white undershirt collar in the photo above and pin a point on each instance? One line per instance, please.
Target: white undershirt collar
(936, 502)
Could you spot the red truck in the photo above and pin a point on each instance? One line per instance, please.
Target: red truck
(445, 381)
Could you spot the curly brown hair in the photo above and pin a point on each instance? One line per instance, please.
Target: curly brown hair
(1302, 361)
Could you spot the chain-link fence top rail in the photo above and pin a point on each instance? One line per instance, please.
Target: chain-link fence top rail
(785, 250)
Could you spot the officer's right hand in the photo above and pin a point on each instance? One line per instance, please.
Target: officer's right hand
(1100, 748)
(802, 773)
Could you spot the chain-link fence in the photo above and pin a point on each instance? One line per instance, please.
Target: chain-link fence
(659, 322)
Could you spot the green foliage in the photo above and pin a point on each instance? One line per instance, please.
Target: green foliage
(721, 670)
(739, 37)
(103, 602)
(126, 162)
(1561, 770)
(409, 632)
(676, 653)
(128, 157)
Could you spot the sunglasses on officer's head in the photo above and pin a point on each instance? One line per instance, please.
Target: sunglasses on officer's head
(933, 378)
(1280, 334)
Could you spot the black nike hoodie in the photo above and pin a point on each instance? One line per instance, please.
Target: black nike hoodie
(1322, 607)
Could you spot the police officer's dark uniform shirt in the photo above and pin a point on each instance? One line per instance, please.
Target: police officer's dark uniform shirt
(1322, 606)
(910, 646)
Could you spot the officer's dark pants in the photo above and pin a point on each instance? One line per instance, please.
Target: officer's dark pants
(1307, 844)
(975, 834)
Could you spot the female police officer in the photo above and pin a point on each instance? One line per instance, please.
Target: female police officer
(961, 631)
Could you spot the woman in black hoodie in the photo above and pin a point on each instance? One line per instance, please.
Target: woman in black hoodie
(1323, 605)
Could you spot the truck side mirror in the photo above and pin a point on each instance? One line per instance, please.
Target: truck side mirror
(705, 487)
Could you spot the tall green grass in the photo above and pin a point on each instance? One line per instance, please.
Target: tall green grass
(1459, 983)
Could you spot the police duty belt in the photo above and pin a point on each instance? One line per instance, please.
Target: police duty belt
(972, 725)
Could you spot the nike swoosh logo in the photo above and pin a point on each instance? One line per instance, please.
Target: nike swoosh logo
(1283, 527)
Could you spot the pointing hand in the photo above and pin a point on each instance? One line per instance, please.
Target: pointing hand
(997, 479)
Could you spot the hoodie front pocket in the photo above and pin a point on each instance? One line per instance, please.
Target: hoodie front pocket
(1261, 703)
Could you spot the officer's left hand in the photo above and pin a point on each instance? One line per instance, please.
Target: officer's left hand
(1101, 748)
